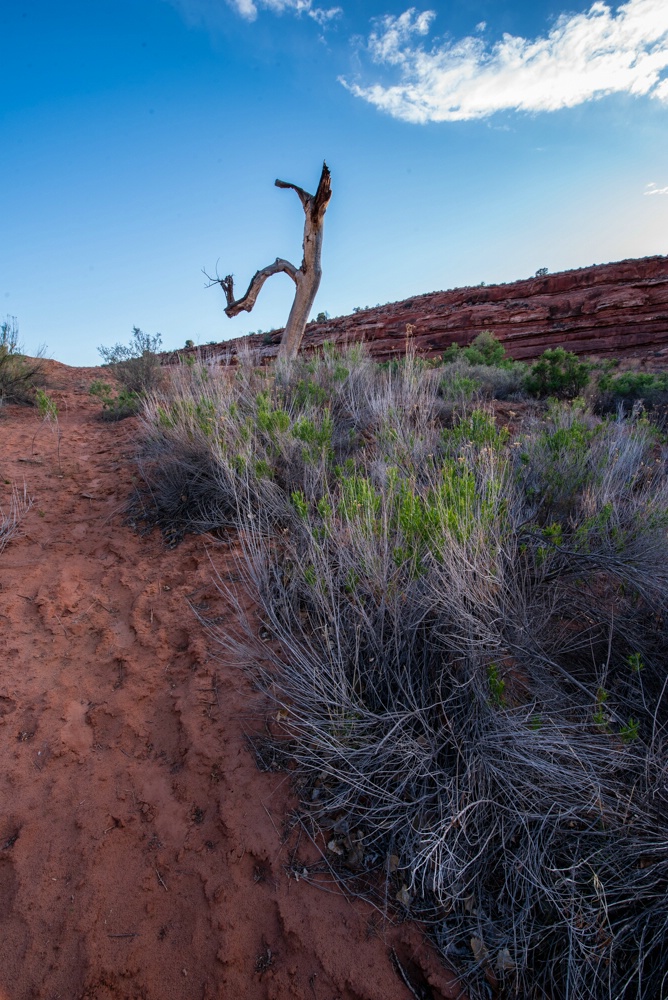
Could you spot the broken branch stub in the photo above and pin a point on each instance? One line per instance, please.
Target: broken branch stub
(306, 277)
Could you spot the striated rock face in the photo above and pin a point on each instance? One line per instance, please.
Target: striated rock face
(608, 309)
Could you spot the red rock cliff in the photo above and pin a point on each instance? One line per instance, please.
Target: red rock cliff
(607, 309)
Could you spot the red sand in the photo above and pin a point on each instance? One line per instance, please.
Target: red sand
(140, 854)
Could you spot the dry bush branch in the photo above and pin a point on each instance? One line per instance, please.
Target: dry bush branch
(10, 519)
(468, 649)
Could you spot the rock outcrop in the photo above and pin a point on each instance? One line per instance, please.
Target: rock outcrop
(609, 309)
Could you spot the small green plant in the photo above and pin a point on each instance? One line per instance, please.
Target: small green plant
(497, 685)
(459, 387)
(116, 405)
(635, 662)
(270, 419)
(477, 429)
(300, 504)
(48, 411)
(630, 731)
(600, 716)
(316, 436)
(359, 500)
(46, 406)
(189, 343)
(557, 373)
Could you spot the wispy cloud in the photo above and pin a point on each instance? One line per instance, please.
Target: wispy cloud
(583, 57)
(653, 189)
(249, 9)
(209, 11)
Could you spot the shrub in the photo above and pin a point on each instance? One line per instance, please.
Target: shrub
(137, 365)
(484, 349)
(116, 404)
(483, 368)
(557, 373)
(460, 378)
(629, 388)
(469, 649)
(18, 373)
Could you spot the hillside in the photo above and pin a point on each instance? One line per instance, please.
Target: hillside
(618, 309)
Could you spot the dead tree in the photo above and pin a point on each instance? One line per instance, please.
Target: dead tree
(306, 278)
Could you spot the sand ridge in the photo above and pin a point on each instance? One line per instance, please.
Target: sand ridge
(140, 847)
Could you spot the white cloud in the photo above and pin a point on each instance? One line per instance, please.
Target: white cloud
(208, 12)
(246, 8)
(249, 9)
(584, 57)
(653, 189)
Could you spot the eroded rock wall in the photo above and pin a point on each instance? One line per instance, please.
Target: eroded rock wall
(606, 309)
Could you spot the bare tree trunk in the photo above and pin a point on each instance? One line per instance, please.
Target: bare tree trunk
(306, 278)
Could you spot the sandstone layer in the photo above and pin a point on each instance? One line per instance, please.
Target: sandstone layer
(618, 309)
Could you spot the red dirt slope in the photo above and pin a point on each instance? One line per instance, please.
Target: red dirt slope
(139, 852)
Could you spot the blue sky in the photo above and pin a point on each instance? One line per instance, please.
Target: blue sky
(468, 142)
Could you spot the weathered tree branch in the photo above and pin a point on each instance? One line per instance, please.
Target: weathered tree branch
(247, 301)
(304, 196)
(306, 278)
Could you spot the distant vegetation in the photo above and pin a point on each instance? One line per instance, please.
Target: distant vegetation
(469, 632)
(19, 374)
(136, 367)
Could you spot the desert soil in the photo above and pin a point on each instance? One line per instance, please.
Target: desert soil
(141, 848)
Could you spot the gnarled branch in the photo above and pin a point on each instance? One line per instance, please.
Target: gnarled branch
(247, 301)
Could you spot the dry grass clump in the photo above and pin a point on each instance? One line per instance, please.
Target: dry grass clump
(470, 649)
(18, 373)
(11, 517)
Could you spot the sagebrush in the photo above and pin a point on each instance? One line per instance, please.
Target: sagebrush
(470, 632)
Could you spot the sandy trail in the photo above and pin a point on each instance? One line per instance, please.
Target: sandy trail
(139, 846)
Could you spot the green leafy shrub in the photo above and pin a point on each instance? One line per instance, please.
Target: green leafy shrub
(629, 388)
(116, 404)
(557, 373)
(482, 368)
(46, 406)
(484, 349)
